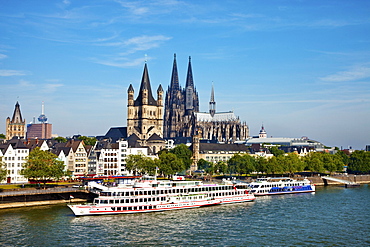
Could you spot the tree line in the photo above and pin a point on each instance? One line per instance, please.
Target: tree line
(290, 163)
(43, 165)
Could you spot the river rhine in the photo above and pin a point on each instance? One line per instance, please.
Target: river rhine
(333, 216)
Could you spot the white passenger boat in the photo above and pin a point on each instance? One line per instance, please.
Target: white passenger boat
(154, 195)
(283, 185)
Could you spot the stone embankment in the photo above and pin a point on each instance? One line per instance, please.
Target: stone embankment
(361, 179)
(24, 198)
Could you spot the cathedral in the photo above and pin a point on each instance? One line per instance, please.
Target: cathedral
(183, 119)
(149, 125)
(180, 104)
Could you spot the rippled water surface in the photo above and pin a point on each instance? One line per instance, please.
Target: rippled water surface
(333, 216)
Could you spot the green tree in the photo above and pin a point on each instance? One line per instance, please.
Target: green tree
(220, 167)
(359, 162)
(314, 162)
(184, 153)
(249, 164)
(135, 163)
(261, 164)
(170, 164)
(88, 140)
(207, 166)
(293, 163)
(3, 170)
(60, 139)
(235, 163)
(276, 151)
(2, 136)
(42, 166)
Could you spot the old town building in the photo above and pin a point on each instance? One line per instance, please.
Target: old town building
(16, 126)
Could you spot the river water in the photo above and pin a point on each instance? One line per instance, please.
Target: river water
(333, 216)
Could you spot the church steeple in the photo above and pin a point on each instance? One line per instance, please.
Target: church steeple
(17, 115)
(17, 125)
(189, 77)
(174, 85)
(191, 97)
(212, 103)
(145, 93)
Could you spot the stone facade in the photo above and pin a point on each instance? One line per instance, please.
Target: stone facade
(179, 104)
(145, 115)
(17, 125)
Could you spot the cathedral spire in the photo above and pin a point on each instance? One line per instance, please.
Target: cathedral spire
(189, 77)
(175, 85)
(212, 103)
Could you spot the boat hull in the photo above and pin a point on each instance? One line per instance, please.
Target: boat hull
(82, 210)
(283, 192)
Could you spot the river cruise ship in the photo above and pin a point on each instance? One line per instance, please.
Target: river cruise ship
(156, 195)
(277, 186)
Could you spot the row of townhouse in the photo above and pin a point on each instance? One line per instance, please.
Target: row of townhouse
(104, 158)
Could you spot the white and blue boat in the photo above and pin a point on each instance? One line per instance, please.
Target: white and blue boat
(280, 185)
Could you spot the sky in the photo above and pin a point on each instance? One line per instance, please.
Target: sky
(297, 67)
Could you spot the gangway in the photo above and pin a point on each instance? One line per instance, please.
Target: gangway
(95, 185)
(346, 182)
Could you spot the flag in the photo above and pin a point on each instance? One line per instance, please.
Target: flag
(71, 197)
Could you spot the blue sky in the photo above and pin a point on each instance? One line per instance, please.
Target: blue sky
(300, 68)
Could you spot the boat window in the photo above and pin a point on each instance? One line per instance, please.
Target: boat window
(111, 201)
(129, 208)
(141, 200)
(116, 201)
(136, 200)
(149, 192)
(136, 193)
(131, 193)
(119, 208)
(124, 208)
(132, 201)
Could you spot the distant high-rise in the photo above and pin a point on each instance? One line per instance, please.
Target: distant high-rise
(42, 130)
(17, 125)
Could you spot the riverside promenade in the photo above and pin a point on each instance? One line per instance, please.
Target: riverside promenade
(57, 195)
(37, 197)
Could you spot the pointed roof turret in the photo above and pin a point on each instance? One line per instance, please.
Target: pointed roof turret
(212, 103)
(175, 76)
(130, 89)
(17, 115)
(160, 89)
(189, 77)
(145, 85)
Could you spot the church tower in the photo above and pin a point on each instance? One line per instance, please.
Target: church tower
(16, 126)
(191, 96)
(145, 114)
(212, 103)
(262, 133)
(180, 104)
(174, 105)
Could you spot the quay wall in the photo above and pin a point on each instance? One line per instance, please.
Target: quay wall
(361, 179)
(37, 198)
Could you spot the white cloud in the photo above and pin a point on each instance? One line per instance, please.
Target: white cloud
(126, 63)
(23, 84)
(51, 88)
(356, 73)
(5, 72)
(2, 56)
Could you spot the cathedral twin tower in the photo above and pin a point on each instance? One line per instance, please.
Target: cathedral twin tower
(146, 119)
